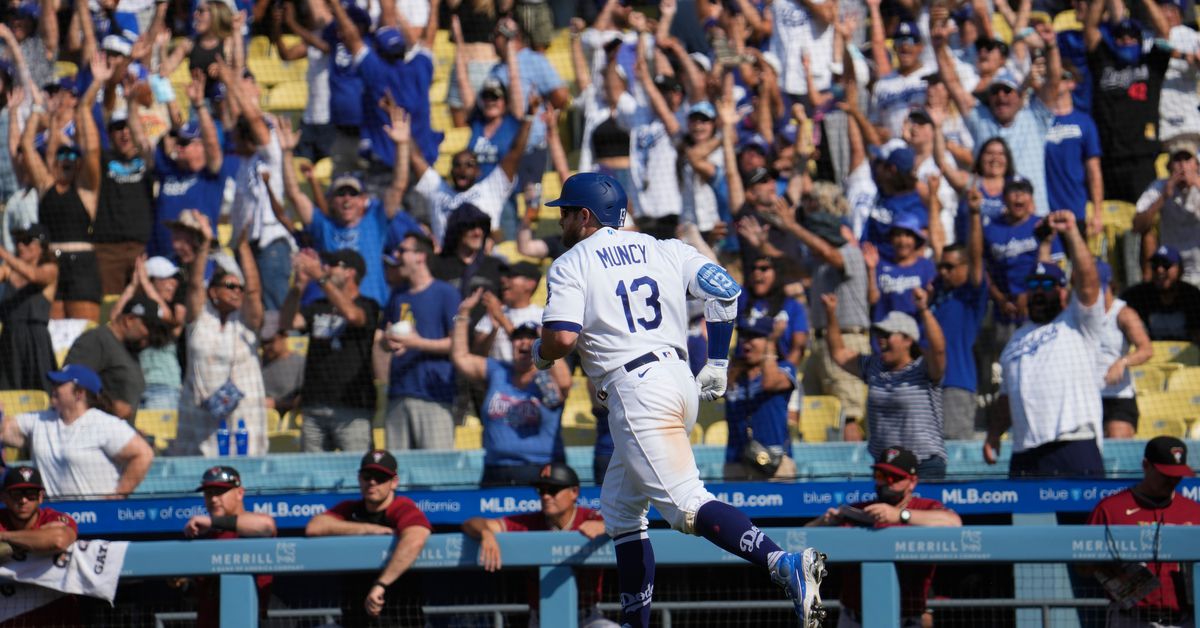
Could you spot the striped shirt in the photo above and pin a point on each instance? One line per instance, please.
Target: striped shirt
(904, 408)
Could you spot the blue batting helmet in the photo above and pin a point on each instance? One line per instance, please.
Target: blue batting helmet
(599, 193)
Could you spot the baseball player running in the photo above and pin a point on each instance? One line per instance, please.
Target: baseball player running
(620, 298)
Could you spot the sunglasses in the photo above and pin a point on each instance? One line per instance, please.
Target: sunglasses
(1002, 89)
(550, 490)
(229, 285)
(890, 478)
(1160, 263)
(183, 142)
(30, 494)
(764, 268)
(346, 192)
(27, 240)
(490, 96)
(1041, 284)
(374, 477)
(67, 156)
(947, 266)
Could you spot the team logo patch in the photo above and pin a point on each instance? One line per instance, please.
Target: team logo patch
(890, 455)
(1177, 454)
(377, 456)
(26, 473)
(545, 472)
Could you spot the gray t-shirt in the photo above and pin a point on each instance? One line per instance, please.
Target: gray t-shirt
(283, 378)
(850, 285)
(119, 371)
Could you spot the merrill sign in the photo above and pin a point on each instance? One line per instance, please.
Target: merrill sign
(968, 546)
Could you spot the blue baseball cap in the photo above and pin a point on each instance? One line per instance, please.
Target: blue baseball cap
(909, 223)
(703, 108)
(79, 375)
(1049, 270)
(1169, 254)
(903, 158)
(755, 142)
(1004, 79)
(755, 327)
(907, 31)
(189, 131)
(390, 41)
(29, 11)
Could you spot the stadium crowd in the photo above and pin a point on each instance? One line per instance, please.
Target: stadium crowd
(915, 195)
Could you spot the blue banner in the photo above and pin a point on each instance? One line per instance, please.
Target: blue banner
(760, 500)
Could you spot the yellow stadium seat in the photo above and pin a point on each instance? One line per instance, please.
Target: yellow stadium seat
(224, 234)
(267, 71)
(379, 435)
(1118, 215)
(1178, 351)
(1185, 379)
(159, 426)
(579, 436)
(1182, 405)
(717, 433)
(274, 420)
(577, 411)
(1148, 378)
(439, 117)
(288, 41)
(1067, 21)
(468, 436)
(288, 96)
(323, 171)
(442, 165)
(438, 90)
(284, 442)
(443, 48)
(260, 47)
(819, 415)
(1001, 29)
(298, 344)
(21, 401)
(508, 251)
(65, 68)
(1161, 427)
(697, 435)
(456, 140)
(1160, 166)
(60, 356)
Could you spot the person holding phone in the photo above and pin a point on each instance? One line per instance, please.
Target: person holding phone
(895, 472)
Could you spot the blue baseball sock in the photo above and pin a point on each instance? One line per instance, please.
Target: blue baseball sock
(635, 578)
(727, 528)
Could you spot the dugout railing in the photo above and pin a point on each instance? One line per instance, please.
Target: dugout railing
(555, 554)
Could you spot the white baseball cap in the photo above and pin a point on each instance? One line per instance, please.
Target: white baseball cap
(899, 322)
(159, 267)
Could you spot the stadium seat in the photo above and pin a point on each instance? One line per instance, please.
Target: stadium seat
(820, 415)
(22, 401)
(158, 426)
(469, 435)
(577, 411)
(579, 436)
(298, 344)
(439, 117)
(274, 421)
(1179, 351)
(286, 441)
(439, 90)
(1118, 215)
(1001, 28)
(1161, 427)
(1160, 166)
(1148, 378)
(508, 251)
(1185, 379)
(1174, 405)
(259, 48)
(456, 140)
(717, 433)
(288, 96)
(323, 171)
(1067, 21)
(697, 435)
(65, 68)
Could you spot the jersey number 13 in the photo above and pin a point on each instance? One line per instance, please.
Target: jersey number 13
(633, 290)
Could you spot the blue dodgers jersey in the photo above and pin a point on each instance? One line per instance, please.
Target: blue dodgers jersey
(1070, 142)
(346, 86)
(431, 314)
(521, 425)
(793, 311)
(367, 237)
(765, 413)
(896, 285)
(179, 190)
(960, 313)
(1011, 253)
(408, 81)
(490, 150)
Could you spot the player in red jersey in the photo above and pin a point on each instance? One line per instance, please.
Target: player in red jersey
(558, 489)
(1152, 502)
(28, 529)
(380, 511)
(226, 519)
(895, 505)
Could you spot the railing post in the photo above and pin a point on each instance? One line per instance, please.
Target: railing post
(1041, 581)
(560, 598)
(882, 607)
(239, 601)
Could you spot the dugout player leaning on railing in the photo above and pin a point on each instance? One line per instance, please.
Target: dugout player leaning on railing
(380, 511)
(1152, 502)
(28, 529)
(227, 518)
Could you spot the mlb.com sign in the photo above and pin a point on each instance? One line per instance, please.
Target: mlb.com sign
(961, 495)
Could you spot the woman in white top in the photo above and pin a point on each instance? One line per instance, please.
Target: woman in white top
(223, 319)
(1122, 327)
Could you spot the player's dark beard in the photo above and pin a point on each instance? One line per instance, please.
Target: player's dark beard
(1044, 306)
(889, 495)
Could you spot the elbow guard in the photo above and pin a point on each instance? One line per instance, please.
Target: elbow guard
(720, 293)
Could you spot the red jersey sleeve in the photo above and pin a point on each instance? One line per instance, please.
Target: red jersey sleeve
(524, 522)
(49, 515)
(403, 513)
(343, 510)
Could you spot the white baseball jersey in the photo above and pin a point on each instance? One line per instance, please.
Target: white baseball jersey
(625, 293)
